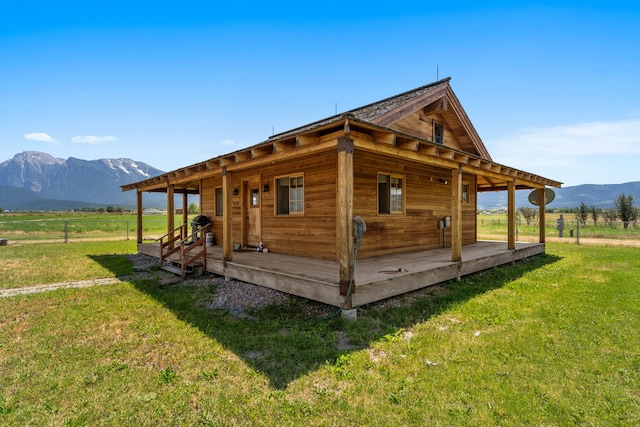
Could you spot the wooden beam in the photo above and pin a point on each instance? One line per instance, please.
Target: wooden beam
(541, 215)
(511, 215)
(227, 238)
(170, 212)
(344, 220)
(243, 156)
(456, 214)
(185, 208)
(261, 151)
(410, 144)
(139, 216)
(302, 140)
(226, 161)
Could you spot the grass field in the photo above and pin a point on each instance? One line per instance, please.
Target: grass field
(496, 225)
(550, 341)
(79, 226)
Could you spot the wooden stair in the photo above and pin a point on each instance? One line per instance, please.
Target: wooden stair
(181, 253)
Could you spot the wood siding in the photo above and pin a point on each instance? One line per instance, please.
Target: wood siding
(311, 234)
(427, 199)
(421, 125)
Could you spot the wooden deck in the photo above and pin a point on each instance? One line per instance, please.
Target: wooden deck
(319, 280)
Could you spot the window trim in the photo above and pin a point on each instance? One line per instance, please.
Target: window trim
(215, 202)
(467, 193)
(277, 195)
(403, 199)
(435, 135)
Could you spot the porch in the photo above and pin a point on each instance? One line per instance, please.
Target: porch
(376, 278)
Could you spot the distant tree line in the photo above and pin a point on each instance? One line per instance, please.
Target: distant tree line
(623, 209)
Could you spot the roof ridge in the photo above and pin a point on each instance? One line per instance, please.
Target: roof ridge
(398, 95)
(354, 111)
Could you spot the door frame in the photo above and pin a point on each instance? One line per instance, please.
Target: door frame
(250, 210)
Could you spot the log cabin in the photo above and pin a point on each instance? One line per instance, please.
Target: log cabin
(407, 169)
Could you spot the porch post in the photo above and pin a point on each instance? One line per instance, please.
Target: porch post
(170, 210)
(542, 215)
(456, 214)
(511, 215)
(185, 209)
(227, 244)
(139, 215)
(344, 223)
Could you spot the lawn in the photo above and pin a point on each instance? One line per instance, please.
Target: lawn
(549, 341)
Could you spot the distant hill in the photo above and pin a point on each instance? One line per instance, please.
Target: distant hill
(601, 196)
(38, 181)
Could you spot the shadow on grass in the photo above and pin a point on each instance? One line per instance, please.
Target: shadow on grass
(287, 341)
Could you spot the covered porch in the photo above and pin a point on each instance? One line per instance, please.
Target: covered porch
(376, 278)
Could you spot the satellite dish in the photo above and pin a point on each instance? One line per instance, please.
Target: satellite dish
(534, 196)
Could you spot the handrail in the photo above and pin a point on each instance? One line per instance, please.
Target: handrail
(182, 230)
(184, 249)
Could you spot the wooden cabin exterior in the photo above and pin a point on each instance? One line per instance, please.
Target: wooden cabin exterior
(403, 164)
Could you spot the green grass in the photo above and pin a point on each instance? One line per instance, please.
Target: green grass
(79, 226)
(550, 341)
(496, 225)
(43, 263)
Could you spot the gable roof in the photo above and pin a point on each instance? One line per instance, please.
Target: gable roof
(389, 110)
(383, 118)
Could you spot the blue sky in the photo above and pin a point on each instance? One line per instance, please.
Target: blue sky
(552, 87)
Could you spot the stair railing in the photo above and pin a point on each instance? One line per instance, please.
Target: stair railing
(168, 242)
(185, 244)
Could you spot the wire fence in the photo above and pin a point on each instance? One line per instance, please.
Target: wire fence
(66, 230)
(566, 229)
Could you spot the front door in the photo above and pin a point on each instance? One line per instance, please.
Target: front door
(251, 230)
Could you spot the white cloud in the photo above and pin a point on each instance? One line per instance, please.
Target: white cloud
(228, 142)
(41, 137)
(577, 140)
(91, 139)
(583, 152)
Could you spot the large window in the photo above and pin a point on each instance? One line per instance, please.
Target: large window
(290, 195)
(390, 194)
(219, 202)
(438, 133)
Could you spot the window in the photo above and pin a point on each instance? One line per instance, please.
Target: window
(390, 195)
(219, 202)
(255, 198)
(465, 193)
(290, 195)
(438, 133)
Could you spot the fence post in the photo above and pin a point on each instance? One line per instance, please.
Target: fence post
(127, 229)
(578, 231)
(66, 231)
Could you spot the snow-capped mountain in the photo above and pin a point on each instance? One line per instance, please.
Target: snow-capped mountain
(95, 181)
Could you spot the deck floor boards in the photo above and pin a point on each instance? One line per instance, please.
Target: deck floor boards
(319, 279)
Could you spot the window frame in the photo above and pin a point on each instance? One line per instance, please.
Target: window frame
(436, 135)
(466, 196)
(218, 203)
(301, 201)
(389, 195)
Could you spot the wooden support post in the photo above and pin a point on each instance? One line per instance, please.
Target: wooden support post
(185, 208)
(139, 215)
(511, 215)
(227, 191)
(456, 214)
(542, 215)
(170, 212)
(344, 213)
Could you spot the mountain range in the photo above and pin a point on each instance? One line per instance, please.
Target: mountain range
(33, 180)
(598, 195)
(38, 181)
